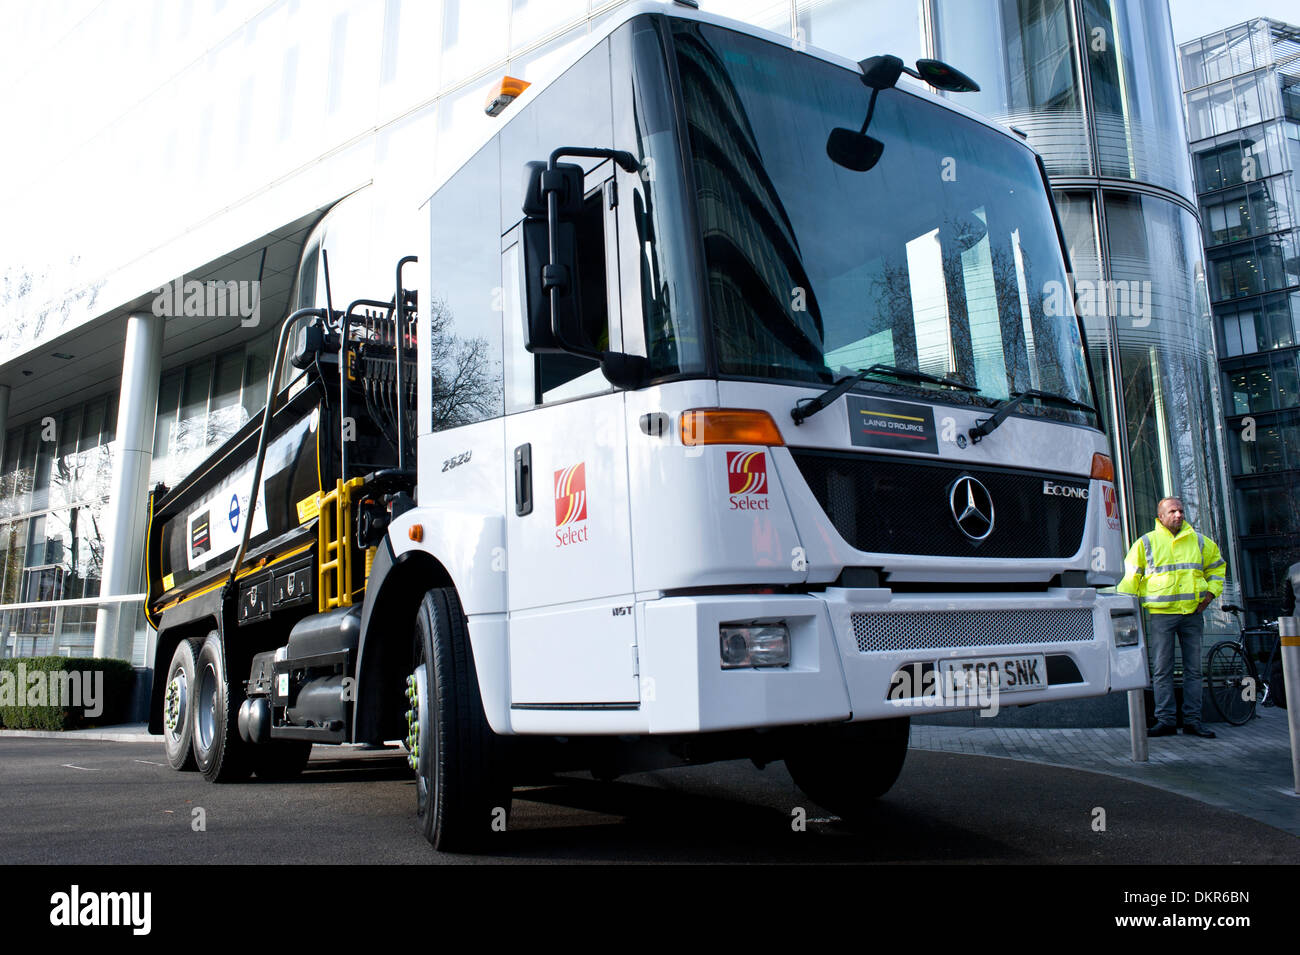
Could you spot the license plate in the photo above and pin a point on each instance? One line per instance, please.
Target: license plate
(1009, 674)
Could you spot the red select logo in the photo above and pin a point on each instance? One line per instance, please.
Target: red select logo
(571, 504)
(1112, 506)
(747, 480)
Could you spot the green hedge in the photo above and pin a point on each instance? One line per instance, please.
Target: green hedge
(107, 684)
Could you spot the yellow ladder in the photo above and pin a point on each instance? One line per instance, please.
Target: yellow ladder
(334, 571)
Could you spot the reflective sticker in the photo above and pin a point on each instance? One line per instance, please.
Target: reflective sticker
(308, 508)
(169, 581)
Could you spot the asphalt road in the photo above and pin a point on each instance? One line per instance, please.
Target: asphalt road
(91, 802)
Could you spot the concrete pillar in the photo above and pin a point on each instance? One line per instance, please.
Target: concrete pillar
(137, 410)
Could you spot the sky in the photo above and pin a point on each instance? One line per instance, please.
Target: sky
(1194, 18)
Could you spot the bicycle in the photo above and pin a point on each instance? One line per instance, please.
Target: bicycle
(1232, 681)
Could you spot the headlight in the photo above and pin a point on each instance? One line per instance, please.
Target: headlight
(754, 645)
(1124, 628)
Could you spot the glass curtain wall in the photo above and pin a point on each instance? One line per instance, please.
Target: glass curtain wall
(1093, 84)
(1024, 55)
(1134, 91)
(53, 509)
(54, 489)
(1245, 131)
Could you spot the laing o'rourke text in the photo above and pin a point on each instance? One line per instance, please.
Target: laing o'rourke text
(74, 908)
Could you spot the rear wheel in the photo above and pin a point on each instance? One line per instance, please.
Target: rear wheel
(1230, 683)
(178, 708)
(220, 754)
(462, 786)
(845, 767)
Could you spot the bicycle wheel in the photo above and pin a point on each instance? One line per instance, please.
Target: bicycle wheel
(1230, 683)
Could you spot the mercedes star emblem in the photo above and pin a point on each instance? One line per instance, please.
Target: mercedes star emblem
(972, 507)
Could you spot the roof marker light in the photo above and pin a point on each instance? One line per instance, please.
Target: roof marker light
(503, 94)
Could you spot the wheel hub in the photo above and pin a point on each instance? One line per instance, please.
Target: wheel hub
(413, 721)
(174, 702)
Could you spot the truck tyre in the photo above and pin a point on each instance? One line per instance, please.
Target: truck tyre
(847, 766)
(280, 760)
(178, 708)
(221, 756)
(462, 789)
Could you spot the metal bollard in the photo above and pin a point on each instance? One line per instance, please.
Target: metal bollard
(1137, 724)
(1288, 629)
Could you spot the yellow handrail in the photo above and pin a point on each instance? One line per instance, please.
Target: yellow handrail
(334, 570)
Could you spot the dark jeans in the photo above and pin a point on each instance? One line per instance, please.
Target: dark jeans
(1189, 628)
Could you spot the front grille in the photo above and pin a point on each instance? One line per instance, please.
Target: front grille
(940, 629)
(892, 505)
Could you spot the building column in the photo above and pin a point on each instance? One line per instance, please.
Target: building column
(137, 411)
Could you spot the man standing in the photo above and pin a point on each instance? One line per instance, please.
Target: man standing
(1175, 572)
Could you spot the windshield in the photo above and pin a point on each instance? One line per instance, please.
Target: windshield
(943, 258)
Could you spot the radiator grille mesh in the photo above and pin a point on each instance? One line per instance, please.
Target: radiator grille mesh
(939, 629)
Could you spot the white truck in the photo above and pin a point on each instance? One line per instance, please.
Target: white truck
(723, 424)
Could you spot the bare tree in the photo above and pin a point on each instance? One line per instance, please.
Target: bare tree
(466, 388)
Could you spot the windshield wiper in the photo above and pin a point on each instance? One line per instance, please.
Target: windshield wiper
(805, 408)
(987, 425)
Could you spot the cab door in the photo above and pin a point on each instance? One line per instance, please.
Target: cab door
(569, 549)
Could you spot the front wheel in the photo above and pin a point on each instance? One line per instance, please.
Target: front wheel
(1230, 683)
(462, 787)
(845, 767)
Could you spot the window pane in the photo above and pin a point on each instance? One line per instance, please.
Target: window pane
(1240, 397)
(1246, 91)
(1249, 343)
(473, 36)
(1287, 383)
(464, 329)
(530, 20)
(845, 26)
(1023, 54)
(1259, 385)
(1231, 335)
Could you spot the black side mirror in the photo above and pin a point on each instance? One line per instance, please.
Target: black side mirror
(560, 332)
(855, 151)
(553, 208)
(881, 72)
(942, 76)
(858, 151)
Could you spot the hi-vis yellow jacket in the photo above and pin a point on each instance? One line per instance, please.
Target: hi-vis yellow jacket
(1169, 572)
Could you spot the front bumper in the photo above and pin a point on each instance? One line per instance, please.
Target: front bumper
(847, 645)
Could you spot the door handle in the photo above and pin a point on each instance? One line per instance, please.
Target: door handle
(524, 479)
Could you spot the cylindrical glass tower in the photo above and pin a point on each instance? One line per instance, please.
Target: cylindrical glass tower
(1094, 86)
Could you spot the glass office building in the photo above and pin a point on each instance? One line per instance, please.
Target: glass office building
(209, 140)
(1242, 89)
